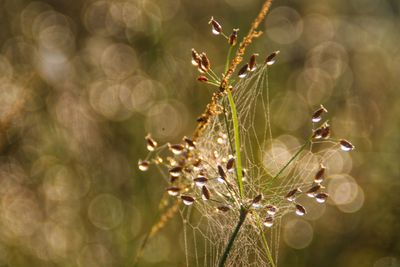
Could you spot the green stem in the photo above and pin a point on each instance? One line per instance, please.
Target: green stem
(227, 126)
(242, 218)
(265, 242)
(290, 161)
(228, 59)
(236, 136)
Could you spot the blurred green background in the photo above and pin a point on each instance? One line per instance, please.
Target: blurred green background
(82, 83)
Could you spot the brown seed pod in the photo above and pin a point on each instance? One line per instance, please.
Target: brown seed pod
(205, 193)
(321, 197)
(196, 163)
(317, 115)
(346, 145)
(200, 180)
(233, 37)
(229, 164)
(216, 27)
(190, 144)
(202, 78)
(175, 171)
(271, 59)
(243, 71)
(143, 165)
(291, 196)
(187, 200)
(205, 62)
(256, 202)
(269, 221)
(300, 210)
(176, 149)
(252, 62)
(322, 132)
(173, 191)
(271, 209)
(313, 190)
(151, 144)
(195, 58)
(319, 176)
(222, 175)
(326, 132)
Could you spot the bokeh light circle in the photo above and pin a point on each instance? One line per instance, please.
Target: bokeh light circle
(105, 211)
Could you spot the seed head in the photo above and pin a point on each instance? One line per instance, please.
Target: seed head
(200, 180)
(346, 145)
(269, 221)
(291, 196)
(187, 200)
(195, 58)
(205, 193)
(233, 37)
(313, 190)
(321, 197)
(243, 71)
(271, 59)
(202, 78)
(151, 144)
(319, 176)
(176, 149)
(143, 165)
(216, 27)
(175, 171)
(222, 175)
(229, 164)
(271, 209)
(205, 62)
(322, 132)
(252, 62)
(256, 202)
(173, 191)
(317, 115)
(300, 210)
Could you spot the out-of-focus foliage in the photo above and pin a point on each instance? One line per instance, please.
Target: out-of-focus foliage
(82, 82)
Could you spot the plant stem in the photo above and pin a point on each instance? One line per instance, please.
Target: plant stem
(290, 161)
(228, 59)
(227, 126)
(265, 242)
(236, 136)
(242, 218)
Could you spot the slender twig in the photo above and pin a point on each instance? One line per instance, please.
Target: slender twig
(227, 126)
(265, 242)
(290, 161)
(242, 218)
(228, 59)
(236, 137)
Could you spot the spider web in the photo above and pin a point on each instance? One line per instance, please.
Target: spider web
(206, 231)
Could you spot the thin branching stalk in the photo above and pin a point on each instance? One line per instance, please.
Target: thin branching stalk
(227, 126)
(228, 59)
(265, 242)
(242, 218)
(290, 161)
(236, 137)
